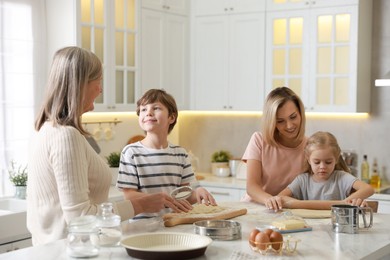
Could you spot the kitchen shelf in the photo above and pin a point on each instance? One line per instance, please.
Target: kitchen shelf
(115, 121)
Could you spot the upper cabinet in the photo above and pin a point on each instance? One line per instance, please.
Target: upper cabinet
(218, 7)
(322, 53)
(180, 7)
(110, 29)
(283, 5)
(165, 48)
(228, 56)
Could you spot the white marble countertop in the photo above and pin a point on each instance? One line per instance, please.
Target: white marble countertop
(320, 243)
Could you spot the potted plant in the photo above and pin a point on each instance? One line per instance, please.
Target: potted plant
(219, 159)
(18, 177)
(113, 160)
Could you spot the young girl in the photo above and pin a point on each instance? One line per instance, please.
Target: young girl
(326, 178)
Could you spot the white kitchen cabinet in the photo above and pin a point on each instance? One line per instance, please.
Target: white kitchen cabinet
(323, 54)
(15, 245)
(165, 54)
(273, 5)
(217, 7)
(171, 6)
(228, 62)
(110, 30)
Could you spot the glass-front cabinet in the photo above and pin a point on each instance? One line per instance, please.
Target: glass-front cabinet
(315, 51)
(110, 29)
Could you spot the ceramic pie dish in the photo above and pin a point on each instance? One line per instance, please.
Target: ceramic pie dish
(164, 245)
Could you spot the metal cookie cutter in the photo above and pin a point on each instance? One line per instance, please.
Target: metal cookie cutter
(181, 193)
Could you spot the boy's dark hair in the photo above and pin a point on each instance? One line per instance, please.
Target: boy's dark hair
(160, 95)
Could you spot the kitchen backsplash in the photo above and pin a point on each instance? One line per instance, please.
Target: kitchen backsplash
(203, 134)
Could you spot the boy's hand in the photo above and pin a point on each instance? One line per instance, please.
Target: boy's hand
(202, 195)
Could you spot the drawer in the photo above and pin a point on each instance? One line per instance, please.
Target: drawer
(224, 194)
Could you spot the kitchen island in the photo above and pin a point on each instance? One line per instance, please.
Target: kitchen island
(320, 243)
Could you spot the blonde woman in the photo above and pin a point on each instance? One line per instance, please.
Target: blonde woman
(326, 179)
(66, 177)
(275, 156)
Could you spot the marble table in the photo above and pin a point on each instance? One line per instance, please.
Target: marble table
(320, 243)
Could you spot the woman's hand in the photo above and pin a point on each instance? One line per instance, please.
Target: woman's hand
(274, 203)
(357, 202)
(202, 195)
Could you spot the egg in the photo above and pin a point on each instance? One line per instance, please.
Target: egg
(252, 237)
(276, 240)
(262, 241)
(268, 231)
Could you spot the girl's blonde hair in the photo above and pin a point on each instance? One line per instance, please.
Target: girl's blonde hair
(321, 140)
(276, 99)
(71, 71)
(160, 95)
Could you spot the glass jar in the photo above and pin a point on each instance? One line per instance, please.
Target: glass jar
(83, 240)
(109, 224)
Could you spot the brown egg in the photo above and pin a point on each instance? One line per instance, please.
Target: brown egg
(276, 240)
(252, 237)
(262, 241)
(268, 231)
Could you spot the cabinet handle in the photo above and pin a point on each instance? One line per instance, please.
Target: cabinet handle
(307, 3)
(226, 9)
(231, 9)
(230, 107)
(220, 193)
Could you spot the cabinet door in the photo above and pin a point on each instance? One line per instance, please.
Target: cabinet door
(164, 54)
(211, 57)
(333, 59)
(176, 56)
(246, 61)
(110, 29)
(152, 49)
(287, 49)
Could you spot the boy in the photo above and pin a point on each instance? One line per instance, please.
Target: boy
(153, 164)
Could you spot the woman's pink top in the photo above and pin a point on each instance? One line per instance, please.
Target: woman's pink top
(280, 164)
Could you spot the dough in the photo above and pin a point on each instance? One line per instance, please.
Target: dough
(203, 209)
(311, 213)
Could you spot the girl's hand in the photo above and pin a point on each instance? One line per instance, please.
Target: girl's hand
(357, 202)
(202, 195)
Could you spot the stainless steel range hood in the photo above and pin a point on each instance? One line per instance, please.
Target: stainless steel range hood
(384, 82)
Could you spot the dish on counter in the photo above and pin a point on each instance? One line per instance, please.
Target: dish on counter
(218, 229)
(284, 231)
(165, 245)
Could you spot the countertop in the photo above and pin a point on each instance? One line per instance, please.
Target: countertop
(320, 243)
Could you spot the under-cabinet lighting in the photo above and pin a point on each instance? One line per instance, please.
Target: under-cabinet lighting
(384, 82)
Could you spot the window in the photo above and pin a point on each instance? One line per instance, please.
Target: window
(22, 63)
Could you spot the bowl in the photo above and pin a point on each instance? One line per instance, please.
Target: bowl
(222, 172)
(218, 229)
(165, 245)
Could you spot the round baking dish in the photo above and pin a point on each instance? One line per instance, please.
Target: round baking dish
(218, 229)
